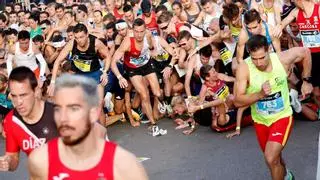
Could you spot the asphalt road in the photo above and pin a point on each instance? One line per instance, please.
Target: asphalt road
(206, 155)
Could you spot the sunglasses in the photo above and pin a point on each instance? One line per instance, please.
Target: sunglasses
(43, 28)
(182, 44)
(165, 27)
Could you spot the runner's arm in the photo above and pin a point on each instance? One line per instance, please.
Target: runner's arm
(187, 80)
(10, 60)
(126, 166)
(243, 38)
(275, 40)
(202, 94)
(226, 78)
(242, 80)
(42, 61)
(199, 19)
(63, 54)
(38, 167)
(103, 51)
(124, 47)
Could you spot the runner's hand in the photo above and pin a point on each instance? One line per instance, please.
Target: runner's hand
(235, 133)
(266, 88)
(167, 72)
(123, 82)
(104, 79)
(306, 89)
(4, 163)
(192, 108)
(50, 90)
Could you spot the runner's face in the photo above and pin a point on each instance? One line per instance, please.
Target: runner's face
(23, 97)
(43, 16)
(24, 44)
(97, 17)
(204, 60)
(73, 116)
(17, 8)
(109, 33)
(139, 32)
(129, 16)
(176, 10)
(260, 59)
(186, 3)
(208, 8)
(123, 32)
(118, 4)
(81, 38)
(254, 28)
(179, 109)
(60, 13)
(184, 43)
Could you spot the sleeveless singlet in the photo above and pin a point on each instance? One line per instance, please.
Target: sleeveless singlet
(309, 29)
(270, 14)
(275, 106)
(163, 55)
(207, 20)
(220, 89)
(87, 61)
(192, 18)
(135, 58)
(25, 59)
(269, 39)
(103, 170)
(117, 14)
(152, 25)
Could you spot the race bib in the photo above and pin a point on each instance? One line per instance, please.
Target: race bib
(223, 92)
(311, 38)
(271, 104)
(154, 32)
(226, 56)
(163, 56)
(82, 65)
(140, 61)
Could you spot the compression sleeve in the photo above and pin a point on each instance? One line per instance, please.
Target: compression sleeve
(9, 63)
(43, 64)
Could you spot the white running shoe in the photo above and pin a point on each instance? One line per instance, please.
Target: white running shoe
(162, 107)
(168, 108)
(108, 104)
(295, 103)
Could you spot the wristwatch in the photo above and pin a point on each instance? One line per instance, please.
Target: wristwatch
(170, 66)
(307, 79)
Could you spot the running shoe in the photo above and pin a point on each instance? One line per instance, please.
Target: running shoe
(108, 102)
(162, 107)
(295, 103)
(289, 175)
(168, 108)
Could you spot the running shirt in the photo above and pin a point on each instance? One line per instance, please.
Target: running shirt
(103, 170)
(26, 137)
(192, 18)
(117, 14)
(87, 61)
(220, 89)
(152, 25)
(226, 51)
(310, 29)
(194, 30)
(269, 13)
(269, 39)
(135, 58)
(275, 106)
(25, 59)
(163, 55)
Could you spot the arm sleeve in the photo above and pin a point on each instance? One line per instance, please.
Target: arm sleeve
(9, 63)
(43, 64)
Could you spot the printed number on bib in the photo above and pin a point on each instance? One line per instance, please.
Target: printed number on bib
(226, 56)
(310, 39)
(140, 61)
(83, 65)
(271, 104)
(223, 92)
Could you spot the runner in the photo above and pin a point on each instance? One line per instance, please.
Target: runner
(261, 82)
(78, 153)
(85, 59)
(137, 51)
(25, 53)
(30, 124)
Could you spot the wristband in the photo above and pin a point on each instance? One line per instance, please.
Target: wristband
(201, 106)
(119, 77)
(104, 70)
(238, 128)
(52, 82)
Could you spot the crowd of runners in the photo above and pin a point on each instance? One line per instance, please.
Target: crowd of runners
(70, 69)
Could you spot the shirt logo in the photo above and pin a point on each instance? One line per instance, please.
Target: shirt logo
(276, 134)
(45, 130)
(61, 176)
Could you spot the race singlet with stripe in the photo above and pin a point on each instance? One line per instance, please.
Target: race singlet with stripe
(277, 105)
(103, 170)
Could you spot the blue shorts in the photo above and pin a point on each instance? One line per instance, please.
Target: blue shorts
(94, 75)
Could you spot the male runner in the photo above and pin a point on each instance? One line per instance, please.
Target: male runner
(25, 53)
(30, 124)
(261, 81)
(137, 53)
(78, 153)
(85, 59)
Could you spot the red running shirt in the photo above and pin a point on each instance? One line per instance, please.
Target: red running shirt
(117, 14)
(310, 29)
(102, 171)
(135, 58)
(152, 25)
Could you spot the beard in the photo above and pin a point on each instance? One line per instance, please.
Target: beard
(67, 140)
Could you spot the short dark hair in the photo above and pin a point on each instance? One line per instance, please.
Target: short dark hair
(38, 38)
(206, 51)
(23, 73)
(204, 2)
(35, 17)
(165, 17)
(138, 22)
(80, 28)
(59, 6)
(46, 22)
(98, 12)
(127, 8)
(23, 35)
(3, 17)
(111, 25)
(251, 16)
(204, 71)
(162, 8)
(110, 17)
(177, 3)
(257, 42)
(70, 29)
(230, 11)
(8, 32)
(45, 12)
(184, 34)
